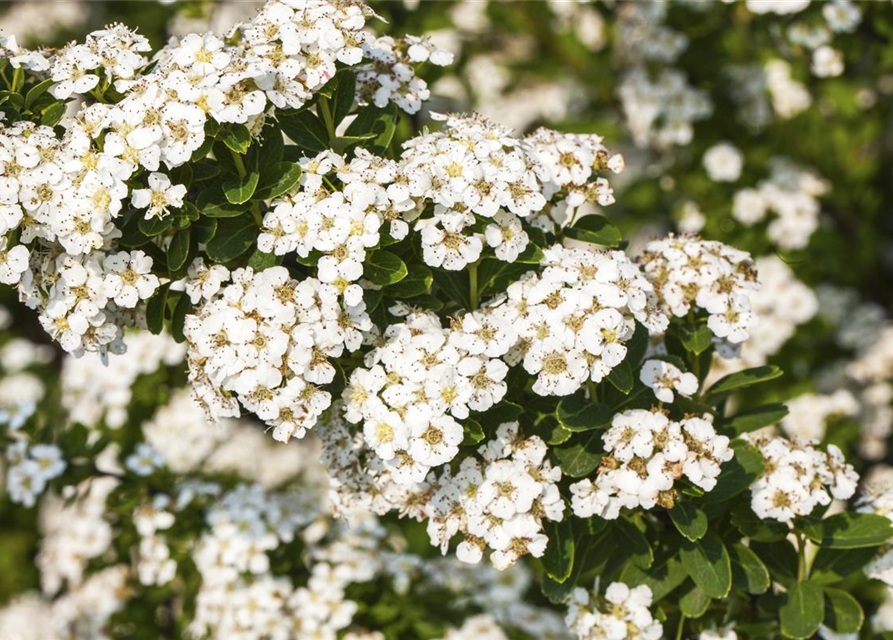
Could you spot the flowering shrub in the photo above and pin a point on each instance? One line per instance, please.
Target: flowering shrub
(310, 342)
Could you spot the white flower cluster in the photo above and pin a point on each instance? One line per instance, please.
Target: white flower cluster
(665, 378)
(574, 319)
(789, 96)
(390, 77)
(497, 501)
(792, 194)
(476, 168)
(74, 532)
(98, 390)
(155, 565)
(646, 453)
(878, 499)
(64, 193)
(723, 162)
(661, 112)
(689, 273)
(621, 614)
(341, 225)
(264, 342)
(798, 477)
(809, 414)
(29, 469)
(414, 387)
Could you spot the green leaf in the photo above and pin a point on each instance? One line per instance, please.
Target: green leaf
(155, 309)
(694, 602)
(306, 130)
(802, 610)
(741, 379)
(577, 458)
(690, 521)
(204, 229)
(474, 432)
(622, 377)
(418, 281)
(708, 564)
(212, 202)
(833, 565)
(664, 575)
(854, 530)
(233, 238)
(178, 251)
(278, 181)
(696, 341)
(780, 558)
(577, 413)
(595, 229)
(240, 191)
(558, 560)
(757, 529)
(154, 226)
(36, 91)
(737, 474)
(843, 613)
(52, 114)
(551, 431)
(633, 543)
(384, 268)
(748, 571)
(381, 122)
(260, 260)
(237, 137)
(344, 95)
(754, 419)
(178, 319)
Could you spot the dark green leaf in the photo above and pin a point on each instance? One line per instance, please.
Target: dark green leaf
(579, 458)
(595, 229)
(278, 181)
(178, 319)
(558, 560)
(843, 613)
(741, 379)
(155, 309)
(344, 95)
(417, 282)
(384, 268)
(707, 562)
(212, 202)
(737, 474)
(577, 413)
(780, 558)
(306, 130)
(833, 565)
(154, 226)
(240, 191)
(754, 419)
(237, 137)
(260, 260)
(748, 571)
(802, 610)
(233, 238)
(696, 341)
(36, 91)
(52, 114)
(689, 520)
(622, 378)
(757, 529)
(693, 601)
(178, 251)
(854, 530)
(474, 433)
(633, 543)
(664, 575)
(204, 229)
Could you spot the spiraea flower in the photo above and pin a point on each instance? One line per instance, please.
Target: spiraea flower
(622, 613)
(646, 453)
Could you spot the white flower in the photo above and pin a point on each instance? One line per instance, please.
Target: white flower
(664, 378)
(159, 196)
(723, 162)
(144, 460)
(129, 278)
